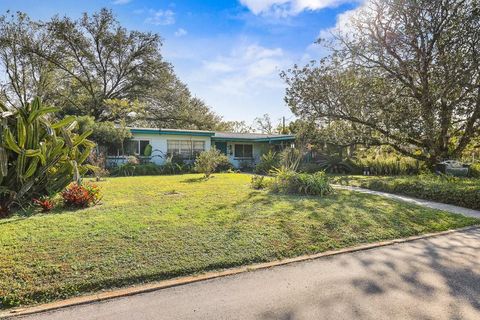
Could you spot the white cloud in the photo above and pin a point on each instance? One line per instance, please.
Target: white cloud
(283, 8)
(161, 17)
(249, 68)
(121, 1)
(180, 32)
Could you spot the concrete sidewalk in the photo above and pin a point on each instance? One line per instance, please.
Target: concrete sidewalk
(420, 202)
(435, 278)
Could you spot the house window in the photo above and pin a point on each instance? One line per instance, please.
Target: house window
(136, 147)
(185, 148)
(243, 151)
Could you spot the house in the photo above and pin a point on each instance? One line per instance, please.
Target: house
(242, 149)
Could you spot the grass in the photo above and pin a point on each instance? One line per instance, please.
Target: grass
(152, 228)
(464, 192)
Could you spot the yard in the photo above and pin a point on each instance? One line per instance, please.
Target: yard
(153, 228)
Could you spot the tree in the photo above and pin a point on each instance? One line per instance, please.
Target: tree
(38, 156)
(102, 60)
(94, 67)
(236, 126)
(405, 73)
(26, 75)
(173, 106)
(208, 161)
(264, 124)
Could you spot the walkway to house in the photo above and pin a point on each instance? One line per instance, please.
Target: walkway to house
(434, 278)
(420, 202)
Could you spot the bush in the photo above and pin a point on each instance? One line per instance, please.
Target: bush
(208, 161)
(45, 203)
(291, 182)
(81, 195)
(260, 182)
(474, 170)
(290, 158)
(388, 165)
(268, 162)
(38, 155)
(462, 192)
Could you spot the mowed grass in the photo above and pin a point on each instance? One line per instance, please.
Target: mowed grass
(152, 228)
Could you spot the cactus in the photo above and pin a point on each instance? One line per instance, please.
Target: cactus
(38, 155)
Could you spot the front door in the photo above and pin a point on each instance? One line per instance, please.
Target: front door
(222, 146)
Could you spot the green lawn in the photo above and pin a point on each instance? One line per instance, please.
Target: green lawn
(464, 192)
(151, 228)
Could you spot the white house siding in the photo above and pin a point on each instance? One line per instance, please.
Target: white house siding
(259, 148)
(159, 145)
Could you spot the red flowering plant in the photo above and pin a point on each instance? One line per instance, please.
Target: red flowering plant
(46, 203)
(81, 195)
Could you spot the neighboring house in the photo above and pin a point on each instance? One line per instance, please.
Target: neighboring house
(242, 149)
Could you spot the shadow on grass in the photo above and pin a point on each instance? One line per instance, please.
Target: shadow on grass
(196, 180)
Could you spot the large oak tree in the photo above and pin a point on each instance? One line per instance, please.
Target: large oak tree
(403, 73)
(93, 66)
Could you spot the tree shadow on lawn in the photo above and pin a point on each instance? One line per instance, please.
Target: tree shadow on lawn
(196, 180)
(408, 281)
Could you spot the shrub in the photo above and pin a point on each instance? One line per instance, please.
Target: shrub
(462, 192)
(335, 164)
(291, 182)
(290, 158)
(208, 161)
(46, 203)
(246, 165)
(150, 169)
(97, 161)
(387, 165)
(81, 195)
(268, 161)
(260, 182)
(474, 170)
(133, 160)
(148, 150)
(38, 155)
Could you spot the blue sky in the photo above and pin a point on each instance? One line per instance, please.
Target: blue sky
(229, 52)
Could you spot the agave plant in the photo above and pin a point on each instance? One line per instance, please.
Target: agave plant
(38, 156)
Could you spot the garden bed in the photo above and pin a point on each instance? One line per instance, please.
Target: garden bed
(463, 192)
(159, 227)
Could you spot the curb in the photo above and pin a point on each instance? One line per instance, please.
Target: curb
(209, 276)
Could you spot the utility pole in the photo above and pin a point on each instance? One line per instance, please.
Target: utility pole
(283, 124)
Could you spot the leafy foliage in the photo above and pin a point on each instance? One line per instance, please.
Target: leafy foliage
(81, 195)
(291, 182)
(94, 66)
(38, 155)
(260, 182)
(411, 83)
(208, 161)
(268, 161)
(149, 169)
(290, 158)
(462, 192)
(387, 165)
(46, 203)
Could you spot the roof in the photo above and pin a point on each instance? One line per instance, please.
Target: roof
(172, 131)
(257, 137)
(217, 136)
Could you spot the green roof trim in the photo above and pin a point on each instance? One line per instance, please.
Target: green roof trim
(173, 132)
(270, 139)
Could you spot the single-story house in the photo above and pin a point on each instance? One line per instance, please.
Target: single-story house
(242, 149)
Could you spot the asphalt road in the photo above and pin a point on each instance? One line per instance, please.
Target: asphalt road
(436, 278)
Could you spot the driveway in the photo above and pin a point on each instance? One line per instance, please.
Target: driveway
(435, 278)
